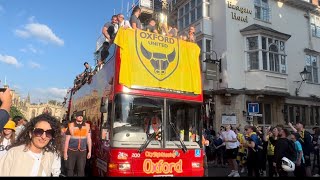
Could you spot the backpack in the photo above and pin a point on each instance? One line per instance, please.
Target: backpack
(292, 152)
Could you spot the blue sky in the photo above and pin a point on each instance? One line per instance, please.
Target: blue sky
(43, 43)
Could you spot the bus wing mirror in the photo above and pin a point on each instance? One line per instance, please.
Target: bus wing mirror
(104, 105)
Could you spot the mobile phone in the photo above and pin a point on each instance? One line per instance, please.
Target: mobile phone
(3, 89)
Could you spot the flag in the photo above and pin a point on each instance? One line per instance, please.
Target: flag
(154, 61)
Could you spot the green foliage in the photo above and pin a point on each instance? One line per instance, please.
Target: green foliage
(14, 111)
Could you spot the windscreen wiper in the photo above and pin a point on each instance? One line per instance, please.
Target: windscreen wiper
(184, 148)
(149, 139)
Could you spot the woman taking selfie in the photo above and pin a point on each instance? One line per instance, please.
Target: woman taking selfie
(35, 151)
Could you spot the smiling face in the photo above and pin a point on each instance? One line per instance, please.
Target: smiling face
(79, 118)
(38, 142)
(7, 132)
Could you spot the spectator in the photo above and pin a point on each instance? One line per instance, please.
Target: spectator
(299, 170)
(241, 150)
(316, 145)
(190, 36)
(306, 142)
(78, 146)
(280, 151)
(271, 140)
(262, 153)
(173, 31)
(252, 145)
(7, 137)
(19, 125)
(25, 122)
(219, 150)
(151, 27)
(122, 22)
(5, 101)
(34, 152)
(230, 139)
(134, 19)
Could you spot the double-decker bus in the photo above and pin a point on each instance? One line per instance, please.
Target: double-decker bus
(144, 106)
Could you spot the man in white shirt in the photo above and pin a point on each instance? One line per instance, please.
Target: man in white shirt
(122, 22)
(230, 139)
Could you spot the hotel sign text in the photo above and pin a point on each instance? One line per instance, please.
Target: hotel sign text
(241, 10)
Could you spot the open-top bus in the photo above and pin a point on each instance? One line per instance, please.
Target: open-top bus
(144, 106)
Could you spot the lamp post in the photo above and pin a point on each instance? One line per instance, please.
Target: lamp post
(304, 76)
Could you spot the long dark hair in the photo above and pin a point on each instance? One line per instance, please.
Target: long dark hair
(12, 137)
(55, 144)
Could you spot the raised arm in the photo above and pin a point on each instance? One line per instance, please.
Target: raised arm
(291, 126)
(105, 32)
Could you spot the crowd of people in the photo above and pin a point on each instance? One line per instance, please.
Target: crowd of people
(282, 151)
(109, 31)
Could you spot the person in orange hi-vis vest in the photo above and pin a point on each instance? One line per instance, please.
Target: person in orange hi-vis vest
(78, 138)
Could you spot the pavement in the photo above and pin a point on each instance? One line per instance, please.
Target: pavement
(218, 171)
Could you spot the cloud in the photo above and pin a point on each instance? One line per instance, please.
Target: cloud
(34, 65)
(39, 31)
(10, 60)
(50, 94)
(30, 48)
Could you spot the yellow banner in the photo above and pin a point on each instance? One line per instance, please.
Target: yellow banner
(153, 60)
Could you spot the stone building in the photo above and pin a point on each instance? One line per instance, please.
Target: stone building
(30, 110)
(257, 54)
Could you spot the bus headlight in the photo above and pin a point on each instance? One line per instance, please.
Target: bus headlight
(196, 165)
(124, 167)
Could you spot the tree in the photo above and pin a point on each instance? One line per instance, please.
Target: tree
(14, 111)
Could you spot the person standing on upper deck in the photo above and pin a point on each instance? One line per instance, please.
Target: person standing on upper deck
(122, 22)
(134, 19)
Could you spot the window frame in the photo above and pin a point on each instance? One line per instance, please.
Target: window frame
(264, 12)
(313, 69)
(315, 25)
(198, 5)
(264, 52)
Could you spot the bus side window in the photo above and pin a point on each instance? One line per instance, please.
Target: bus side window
(106, 119)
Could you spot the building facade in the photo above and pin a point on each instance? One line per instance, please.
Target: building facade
(262, 45)
(31, 110)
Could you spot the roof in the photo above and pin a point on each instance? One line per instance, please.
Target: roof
(256, 28)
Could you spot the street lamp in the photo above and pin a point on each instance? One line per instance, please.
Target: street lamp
(304, 76)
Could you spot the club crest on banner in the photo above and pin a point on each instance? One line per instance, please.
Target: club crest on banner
(158, 54)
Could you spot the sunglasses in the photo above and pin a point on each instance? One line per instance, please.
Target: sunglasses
(39, 132)
(246, 129)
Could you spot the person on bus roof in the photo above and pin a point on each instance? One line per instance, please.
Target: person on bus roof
(110, 29)
(134, 20)
(151, 27)
(122, 22)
